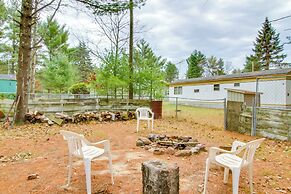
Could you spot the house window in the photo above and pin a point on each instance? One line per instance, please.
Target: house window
(236, 84)
(196, 90)
(216, 87)
(178, 90)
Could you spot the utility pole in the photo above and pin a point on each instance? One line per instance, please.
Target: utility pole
(130, 60)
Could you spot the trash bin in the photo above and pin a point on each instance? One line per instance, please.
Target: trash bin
(157, 108)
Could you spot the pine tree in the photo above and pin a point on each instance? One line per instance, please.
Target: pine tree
(195, 63)
(268, 49)
(252, 64)
(80, 57)
(171, 71)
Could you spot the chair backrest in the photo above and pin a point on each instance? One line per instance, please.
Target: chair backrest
(143, 112)
(75, 142)
(249, 150)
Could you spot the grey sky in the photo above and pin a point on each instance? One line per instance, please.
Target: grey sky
(223, 28)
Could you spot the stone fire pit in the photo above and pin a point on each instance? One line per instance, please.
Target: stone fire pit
(172, 145)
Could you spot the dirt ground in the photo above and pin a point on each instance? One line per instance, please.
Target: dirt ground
(40, 149)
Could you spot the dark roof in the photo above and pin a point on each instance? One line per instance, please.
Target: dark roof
(242, 91)
(7, 77)
(237, 76)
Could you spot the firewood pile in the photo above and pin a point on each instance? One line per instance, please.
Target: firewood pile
(171, 145)
(61, 118)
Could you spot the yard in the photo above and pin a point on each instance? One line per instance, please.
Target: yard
(40, 149)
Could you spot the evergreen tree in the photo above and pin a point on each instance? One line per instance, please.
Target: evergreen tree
(148, 74)
(55, 37)
(214, 67)
(268, 49)
(59, 74)
(252, 64)
(171, 71)
(80, 57)
(195, 64)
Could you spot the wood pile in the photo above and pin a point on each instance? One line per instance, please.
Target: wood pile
(61, 118)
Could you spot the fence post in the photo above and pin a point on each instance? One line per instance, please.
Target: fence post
(254, 118)
(176, 107)
(225, 113)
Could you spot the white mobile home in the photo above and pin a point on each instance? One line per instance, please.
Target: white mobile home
(274, 86)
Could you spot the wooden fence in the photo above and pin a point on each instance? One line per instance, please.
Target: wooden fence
(271, 123)
(71, 106)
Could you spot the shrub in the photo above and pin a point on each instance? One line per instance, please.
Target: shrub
(79, 88)
(11, 96)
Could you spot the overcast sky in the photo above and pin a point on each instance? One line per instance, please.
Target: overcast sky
(223, 28)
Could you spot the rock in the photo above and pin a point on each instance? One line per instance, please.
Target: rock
(200, 188)
(162, 137)
(165, 143)
(170, 151)
(201, 147)
(194, 150)
(145, 140)
(139, 143)
(32, 176)
(153, 137)
(182, 153)
(158, 152)
(185, 138)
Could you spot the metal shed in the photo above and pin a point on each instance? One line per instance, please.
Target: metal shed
(7, 83)
(247, 97)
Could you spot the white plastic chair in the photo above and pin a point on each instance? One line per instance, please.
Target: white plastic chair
(231, 161)
(144, 113)
(82, 148)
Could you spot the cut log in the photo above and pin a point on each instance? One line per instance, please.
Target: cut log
(160, 178)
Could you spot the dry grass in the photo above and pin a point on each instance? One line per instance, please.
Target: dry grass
(208, 116)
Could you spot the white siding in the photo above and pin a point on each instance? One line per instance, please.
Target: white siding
(274, 92)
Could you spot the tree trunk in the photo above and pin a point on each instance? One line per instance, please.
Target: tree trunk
(34, 53)
(130, 60)
(24, 57)
(159, 177)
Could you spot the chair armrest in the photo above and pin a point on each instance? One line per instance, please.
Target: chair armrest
(106, 144)
(236, 144)
(213, 151)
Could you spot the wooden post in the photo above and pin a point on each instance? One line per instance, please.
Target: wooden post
(225, 113)
(160, 178)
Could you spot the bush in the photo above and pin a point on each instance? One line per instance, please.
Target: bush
(79, 88)
(11, 96)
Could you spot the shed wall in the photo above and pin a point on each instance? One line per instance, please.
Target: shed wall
(7, 86)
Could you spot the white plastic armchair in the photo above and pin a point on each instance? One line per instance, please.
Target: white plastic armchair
(81, 148)
(144, 113)
(231, 161)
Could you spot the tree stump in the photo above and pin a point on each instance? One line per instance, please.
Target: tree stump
(160, 178)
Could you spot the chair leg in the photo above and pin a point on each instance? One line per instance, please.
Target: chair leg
(69, 170)
(152, 124)
(137, 125)
(226, 173)
(110, 166)
(235, 180)
(206, 175)
(87, 164)
(148, 124)
(251, 178)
